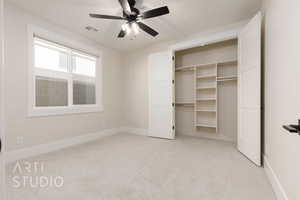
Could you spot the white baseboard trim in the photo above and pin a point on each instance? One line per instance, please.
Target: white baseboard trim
(205, 136)
(277, 187)
(28, 152)
(135, 131)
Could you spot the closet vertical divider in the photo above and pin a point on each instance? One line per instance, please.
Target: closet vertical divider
(195, 96)
(217, 103)
(206, 95)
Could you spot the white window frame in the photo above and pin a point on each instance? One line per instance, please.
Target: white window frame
(33, 111)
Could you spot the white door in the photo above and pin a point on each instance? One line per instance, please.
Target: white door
(249, 91)
(2, 177)
(161, 90)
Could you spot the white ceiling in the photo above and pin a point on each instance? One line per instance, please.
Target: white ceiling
(187, 17)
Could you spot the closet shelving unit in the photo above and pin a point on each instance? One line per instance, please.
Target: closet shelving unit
(206, 79)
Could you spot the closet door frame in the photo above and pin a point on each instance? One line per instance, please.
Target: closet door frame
(202, 41)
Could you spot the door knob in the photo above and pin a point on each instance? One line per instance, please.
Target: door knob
(292, 128)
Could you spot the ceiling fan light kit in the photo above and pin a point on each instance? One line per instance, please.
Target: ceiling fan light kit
(135, 28)
(134, 18)
(126, 28)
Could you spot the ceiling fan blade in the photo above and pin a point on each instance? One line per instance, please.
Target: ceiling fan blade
(106, 17)
(155, 12)
(147, 29)
(122, 34)
(126, 7)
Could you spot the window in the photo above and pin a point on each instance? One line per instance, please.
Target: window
(64, 80)
(50, 92)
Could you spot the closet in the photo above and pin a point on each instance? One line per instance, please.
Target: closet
(206, 91)
(210, 88)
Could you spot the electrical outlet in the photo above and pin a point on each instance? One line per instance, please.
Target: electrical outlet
(20, 140)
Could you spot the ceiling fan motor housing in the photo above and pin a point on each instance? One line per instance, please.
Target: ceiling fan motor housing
(131, 3)
(135, 12)
(133, 17)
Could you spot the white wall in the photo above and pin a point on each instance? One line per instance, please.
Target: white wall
(282, 97)
(41, 130)
(2, 179)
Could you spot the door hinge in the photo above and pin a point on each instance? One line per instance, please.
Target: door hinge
(173, 127)
(173, 81)
(173, 104)
(173, 57)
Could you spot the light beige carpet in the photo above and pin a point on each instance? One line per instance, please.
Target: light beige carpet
(129, 167)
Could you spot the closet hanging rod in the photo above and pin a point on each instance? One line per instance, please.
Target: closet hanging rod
(229, 79)
(184, 104)
(226, 77)
(213, 64)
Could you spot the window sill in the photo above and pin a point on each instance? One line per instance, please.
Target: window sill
(50, 111)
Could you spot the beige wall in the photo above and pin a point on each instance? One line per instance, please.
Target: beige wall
(40, 130)
(1, 68)
(136, 92)
(282, 97)
(2, 168)
(136, 86)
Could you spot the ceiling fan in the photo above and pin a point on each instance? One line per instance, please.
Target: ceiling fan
(133, 18)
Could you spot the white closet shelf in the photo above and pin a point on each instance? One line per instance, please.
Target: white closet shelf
(203, 110)
(206, 125)
(214, 64)
(192, 67)
(206, 76)
(227, 78)
(185, 68)
(206, 99)
(207, 65)
(227, 62)
(205, 88)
